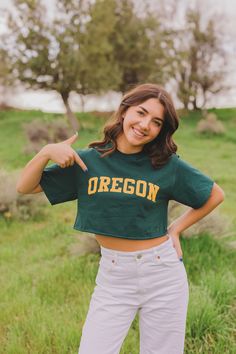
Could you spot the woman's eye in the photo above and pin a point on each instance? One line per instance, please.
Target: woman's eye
(140, 112)
(158, 123)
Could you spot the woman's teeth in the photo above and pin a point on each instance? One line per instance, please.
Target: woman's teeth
(138, 133)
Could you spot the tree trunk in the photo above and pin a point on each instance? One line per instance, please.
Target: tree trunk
(184, 99)
(204, 100)
(194, 102)
(82, 102)
(70, 115)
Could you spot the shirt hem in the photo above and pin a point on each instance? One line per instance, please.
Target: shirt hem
(119, 236)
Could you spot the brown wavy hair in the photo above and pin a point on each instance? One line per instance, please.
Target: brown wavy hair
(159, 149)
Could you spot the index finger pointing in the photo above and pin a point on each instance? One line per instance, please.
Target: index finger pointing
(80, 162)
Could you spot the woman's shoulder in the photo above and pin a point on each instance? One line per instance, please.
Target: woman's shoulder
(174, 156)
(173, 159)
(85, 151)
(177, 159)
(182, 166)
(178, 163)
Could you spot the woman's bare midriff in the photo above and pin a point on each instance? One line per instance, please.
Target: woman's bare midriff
(123, 244)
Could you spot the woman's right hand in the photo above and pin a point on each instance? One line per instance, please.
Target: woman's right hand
(63, 154)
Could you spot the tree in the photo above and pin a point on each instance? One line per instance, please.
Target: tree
(6, 76)
(45, 55)
(198, 60)
(137, 45)
(124, 48)
(100, 70)
(60, 55)
(89, 47)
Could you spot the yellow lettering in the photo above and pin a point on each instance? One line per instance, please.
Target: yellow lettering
(128, 188)
(144, 188)
(93, 183)
(114, 187)
(104, 181)
(153, 189)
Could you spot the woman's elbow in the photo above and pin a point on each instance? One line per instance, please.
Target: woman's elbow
(217, 193)
(20, 189)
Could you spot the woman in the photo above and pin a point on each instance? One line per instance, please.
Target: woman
(123, 185)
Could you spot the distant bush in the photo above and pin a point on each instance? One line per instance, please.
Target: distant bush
(85, 243)
(87, 125)
(40, 133)
(103, 115)
(210, 124)
(5, 107)
(14, 205)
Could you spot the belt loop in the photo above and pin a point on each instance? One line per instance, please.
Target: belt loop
(116, 256)
(154, 251)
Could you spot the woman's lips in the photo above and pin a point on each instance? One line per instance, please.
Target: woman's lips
(137, 133)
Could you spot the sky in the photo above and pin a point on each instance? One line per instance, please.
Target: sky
(51, 101)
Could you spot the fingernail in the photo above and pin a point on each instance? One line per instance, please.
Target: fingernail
(181, 259)
(86, 170)
(76, 133)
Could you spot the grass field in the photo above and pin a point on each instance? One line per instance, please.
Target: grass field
(45, 289)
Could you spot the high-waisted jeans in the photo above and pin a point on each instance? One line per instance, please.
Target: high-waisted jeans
(152, 282)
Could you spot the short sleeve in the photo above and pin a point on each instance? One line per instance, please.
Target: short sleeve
(191, 187)
(59, 184)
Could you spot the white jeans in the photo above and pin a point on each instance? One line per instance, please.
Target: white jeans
(152, 282)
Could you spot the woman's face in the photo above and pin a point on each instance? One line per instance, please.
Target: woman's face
(141, 124)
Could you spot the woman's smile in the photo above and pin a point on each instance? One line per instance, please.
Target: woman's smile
(137, 133)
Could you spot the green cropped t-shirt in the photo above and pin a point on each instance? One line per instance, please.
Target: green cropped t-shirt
(122, 195)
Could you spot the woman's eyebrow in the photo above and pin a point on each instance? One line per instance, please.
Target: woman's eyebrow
(145, 110)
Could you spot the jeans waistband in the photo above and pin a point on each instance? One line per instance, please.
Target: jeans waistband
(145, 252)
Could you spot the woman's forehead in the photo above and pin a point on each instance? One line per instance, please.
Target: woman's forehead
(152, 105)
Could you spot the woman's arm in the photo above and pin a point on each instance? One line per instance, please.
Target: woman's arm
(60, 153)
(31, 174)
(191, 216)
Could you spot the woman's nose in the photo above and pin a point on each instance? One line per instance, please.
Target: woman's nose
(144, 125)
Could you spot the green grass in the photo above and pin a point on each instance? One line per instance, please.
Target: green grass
(45, 290)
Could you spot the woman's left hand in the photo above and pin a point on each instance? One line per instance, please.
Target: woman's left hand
(175, 237)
